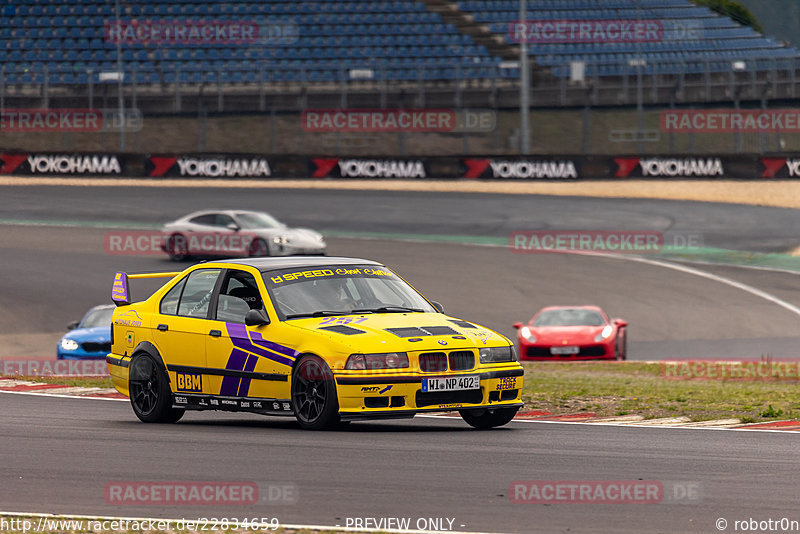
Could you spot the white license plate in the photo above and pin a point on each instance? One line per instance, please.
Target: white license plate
(564, 350)
(451, 383)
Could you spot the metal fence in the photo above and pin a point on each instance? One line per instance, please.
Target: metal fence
(264, 111)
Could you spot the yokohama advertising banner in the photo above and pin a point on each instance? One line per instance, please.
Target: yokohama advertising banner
(61, 164)
(784, 166)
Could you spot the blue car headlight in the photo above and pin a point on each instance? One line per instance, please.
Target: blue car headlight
(69, 344)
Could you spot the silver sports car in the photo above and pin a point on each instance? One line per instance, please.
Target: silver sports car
(237, 233)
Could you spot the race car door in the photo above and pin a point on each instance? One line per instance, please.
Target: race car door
(247, 362)
(182, 326)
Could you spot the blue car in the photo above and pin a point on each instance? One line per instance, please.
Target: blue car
(89, 338)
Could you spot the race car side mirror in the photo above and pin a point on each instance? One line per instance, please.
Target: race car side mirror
(233, 226)
(517, 325)
(256, 318)
(619, 322)
(437, 306)
(73, 325)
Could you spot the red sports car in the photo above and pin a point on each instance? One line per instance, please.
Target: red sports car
(572, 333)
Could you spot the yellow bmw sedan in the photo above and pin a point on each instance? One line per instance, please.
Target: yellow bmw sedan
(327, 340)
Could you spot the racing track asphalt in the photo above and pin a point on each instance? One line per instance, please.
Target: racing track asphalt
(59, 454)
(729, 226)
(52, 275)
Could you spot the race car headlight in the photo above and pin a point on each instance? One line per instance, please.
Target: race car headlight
(527, 334)
(280, 240)
(497, 354)
(69, 344)
(603, 334)
(388, 360)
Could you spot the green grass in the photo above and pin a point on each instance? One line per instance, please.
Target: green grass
(627, 388)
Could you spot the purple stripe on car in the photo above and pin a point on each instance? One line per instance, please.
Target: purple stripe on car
(239, 338)
(271, 345)
(236, 362)
(244, 386)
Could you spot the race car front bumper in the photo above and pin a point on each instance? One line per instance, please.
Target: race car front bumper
(388, 396)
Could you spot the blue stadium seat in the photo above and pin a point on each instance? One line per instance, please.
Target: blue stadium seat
(399, 37)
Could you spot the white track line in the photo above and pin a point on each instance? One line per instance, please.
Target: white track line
(717, 278)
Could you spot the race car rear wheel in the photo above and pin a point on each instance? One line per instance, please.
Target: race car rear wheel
(177, 248)
(487, 418)
(259, 247)
(314, 394)
(151, 397)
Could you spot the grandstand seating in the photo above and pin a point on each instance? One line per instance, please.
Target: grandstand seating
(396, 39)
(714, 43)
(64, 41)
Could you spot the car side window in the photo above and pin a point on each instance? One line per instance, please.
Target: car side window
(224, 220)
(208, 219)
(169, 304)
(197, 293)
(238, 295)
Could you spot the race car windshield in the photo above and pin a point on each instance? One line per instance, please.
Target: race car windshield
(569, 317)
(342, 290)
(101, 317)
(255, 220)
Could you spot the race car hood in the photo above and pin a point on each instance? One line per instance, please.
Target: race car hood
(566, 335)
(401, 332)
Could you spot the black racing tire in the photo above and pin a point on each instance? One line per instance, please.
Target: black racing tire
(314, 399)
(621, 346)
(486, 418)
(177, 247)
(151, 397)
(259, 247)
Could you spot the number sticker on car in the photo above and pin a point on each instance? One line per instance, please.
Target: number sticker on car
(451, 383)
(564, 350)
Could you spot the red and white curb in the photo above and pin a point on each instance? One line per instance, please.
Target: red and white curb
(27, 387)
(640, 421)
(13, 385)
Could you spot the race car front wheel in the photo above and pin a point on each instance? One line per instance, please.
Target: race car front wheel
(621, 347)
(151, 397)
(314, 394)
(486, 418)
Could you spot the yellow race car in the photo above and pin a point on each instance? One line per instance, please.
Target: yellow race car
(326, 339)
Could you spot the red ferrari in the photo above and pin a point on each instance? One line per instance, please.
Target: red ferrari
(572, 333)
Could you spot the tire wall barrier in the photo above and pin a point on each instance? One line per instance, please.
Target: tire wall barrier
(259, 166)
